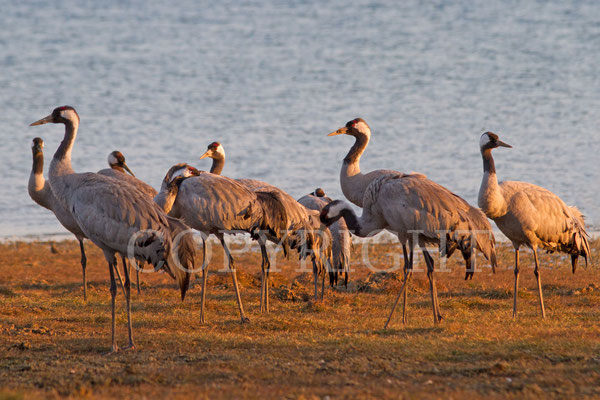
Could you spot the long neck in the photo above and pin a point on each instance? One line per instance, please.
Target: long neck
(37, 183)
(61, 163)
(218, 164)
(488, 162)
(117, 167)
(166, 199)
(490, 199)
(352, 160)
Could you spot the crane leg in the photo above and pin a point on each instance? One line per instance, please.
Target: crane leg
(137, 276)
(437, 317)
(235, 282)
(113, 294)
(264, 290)
(204, 278)
(323, 284)
(83, 265)
(127, 272)
(119, 276)
(516, 284)
(408, 264)
(268, 269)
(316, 278)
(403, 289)
(536, 272)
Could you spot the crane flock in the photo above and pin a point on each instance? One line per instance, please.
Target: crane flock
(123, 215)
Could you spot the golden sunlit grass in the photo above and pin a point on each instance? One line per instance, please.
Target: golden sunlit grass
(53, 344)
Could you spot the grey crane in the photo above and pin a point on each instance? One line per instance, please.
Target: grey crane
(420, 212)
(295, 225)
(341, 239)
(118, 219)
(530, 216)
(117, 170)
(211, 204)
(354, 184)
(40, 192)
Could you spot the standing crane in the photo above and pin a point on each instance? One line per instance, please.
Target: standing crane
(40, 192)
(300, 227)
(211, 204)
(354, 184)
(117, 170)
(118, 219)
(407, 204)
(530, 216)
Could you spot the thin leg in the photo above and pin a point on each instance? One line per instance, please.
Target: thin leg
(516, 283)
(402, 290)
(316, 279)
(536, 272)
(83, 265)
(434, 300)
(264, 254)
(137, 276)
(204, 278)
(127, 272)
(119, 276)
(113, 295)
(407, 270)
(234, 279)
(323, 281)
(267, 271)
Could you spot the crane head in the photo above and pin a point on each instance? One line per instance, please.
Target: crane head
(37, 145)
(489, 140)
(60, 115)
(214, 150)
(356, 127)
(116, 160)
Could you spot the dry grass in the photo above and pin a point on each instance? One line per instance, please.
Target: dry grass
(52, 344)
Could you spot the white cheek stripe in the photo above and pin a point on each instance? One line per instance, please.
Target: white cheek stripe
(484, 139)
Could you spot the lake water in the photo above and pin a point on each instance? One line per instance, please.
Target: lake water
(269, 79)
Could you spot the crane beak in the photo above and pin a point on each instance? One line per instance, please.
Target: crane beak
(340, 131)
(502, 144)
(127, 169)
(42, 121)
(206, 154)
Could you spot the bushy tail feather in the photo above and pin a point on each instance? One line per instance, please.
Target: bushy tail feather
(580, 245)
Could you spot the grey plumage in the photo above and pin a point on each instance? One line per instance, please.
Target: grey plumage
(118, 170)
(211, 204)
(530, 216)
(303, 231)
(420, 212)
(117, 218)
(40, 192)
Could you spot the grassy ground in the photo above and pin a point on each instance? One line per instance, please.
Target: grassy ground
(52, 344)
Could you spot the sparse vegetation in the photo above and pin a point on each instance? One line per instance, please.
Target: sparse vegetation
(53, 344)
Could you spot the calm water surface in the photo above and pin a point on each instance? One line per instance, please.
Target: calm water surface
(270, 79)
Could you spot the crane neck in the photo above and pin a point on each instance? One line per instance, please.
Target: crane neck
(61, 162)
(37, 168)
(37, 183)
(117, 167)
(352, 160)
(488, 161)
(491, 199)
(218, 163)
